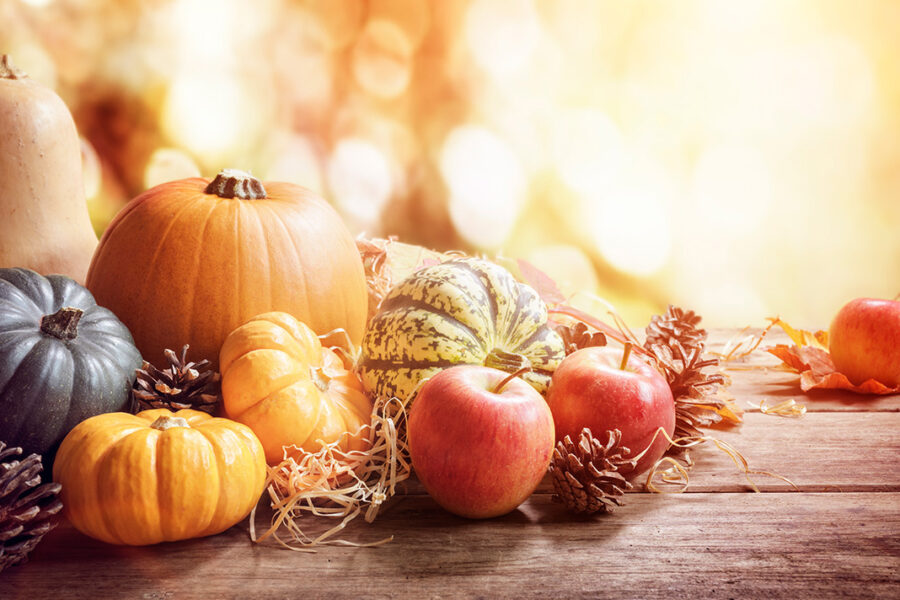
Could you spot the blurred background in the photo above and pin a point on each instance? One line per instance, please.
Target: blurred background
(738, 158)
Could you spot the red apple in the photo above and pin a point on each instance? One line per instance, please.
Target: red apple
(479, 451)
(590, 389)
(864, 341)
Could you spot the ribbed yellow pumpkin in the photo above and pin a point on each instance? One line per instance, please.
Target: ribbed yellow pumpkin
(158, 476)
(280, 381)
(462, 311)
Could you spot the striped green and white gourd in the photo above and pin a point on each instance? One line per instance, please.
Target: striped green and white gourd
(462, 311)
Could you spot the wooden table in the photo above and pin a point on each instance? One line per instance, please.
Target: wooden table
(836, 537)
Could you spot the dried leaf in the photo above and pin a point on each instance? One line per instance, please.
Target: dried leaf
(788, 408)
(542, 283)
(620, 333)
(801, 337)
(428, 262)
(811, 359)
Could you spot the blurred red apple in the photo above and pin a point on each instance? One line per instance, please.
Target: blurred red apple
(479, 451)
(590, 389)
(864, 341)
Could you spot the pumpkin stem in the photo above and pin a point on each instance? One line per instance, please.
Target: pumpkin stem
(319, 378)
(510, 377)
(63, 324)
(506, 361)
(9, 70)
(166, 422)
(625, 356)
(232, 183)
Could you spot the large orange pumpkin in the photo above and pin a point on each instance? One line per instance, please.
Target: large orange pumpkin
(280, 381)
(188, 261)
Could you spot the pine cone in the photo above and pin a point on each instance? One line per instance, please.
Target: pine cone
(678, 343)
(675, 325)
(26, 505)
(585, 475)
(578, 336)
(181, 385)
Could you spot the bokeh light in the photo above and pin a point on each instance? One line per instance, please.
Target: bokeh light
(360, 179)
(486, 183)
(738, 158)
(168, 164)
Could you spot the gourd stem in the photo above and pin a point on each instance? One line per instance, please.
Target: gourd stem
(232, 183)
(63, 324)
(319, 378)
(509, 378)
(625, 356)
(506, 361)
(8, 70)
(166, 422)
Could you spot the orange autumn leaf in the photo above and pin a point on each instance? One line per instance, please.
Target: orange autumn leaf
(801, 337)
(811, 359)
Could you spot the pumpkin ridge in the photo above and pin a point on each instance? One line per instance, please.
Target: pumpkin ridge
(10, 287)
(408, 302)
(100, 461)
(523, 299)
(35, 339)
(384, 364)
(87, 363)
(41, 392)
(299, 255)
(221, 471)
(479, 276)
(67, 295)
(290, 379)
(539, 333)
(140, 296)
(198, 267)
(235, 296)
(157, 467)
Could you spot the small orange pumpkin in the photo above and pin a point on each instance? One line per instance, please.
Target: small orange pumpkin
(188, 261)
(158, 476)
(279, 380)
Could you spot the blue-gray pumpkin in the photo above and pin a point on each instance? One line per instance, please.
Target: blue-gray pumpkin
(62, 359)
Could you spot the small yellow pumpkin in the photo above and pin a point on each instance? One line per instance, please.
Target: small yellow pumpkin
(158, 476)
(279, 380)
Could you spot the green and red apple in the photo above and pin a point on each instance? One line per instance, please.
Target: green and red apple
(479, 441)
(600, 389)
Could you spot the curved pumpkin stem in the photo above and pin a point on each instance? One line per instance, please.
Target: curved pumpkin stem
(232, 183)
(9, 70)
(63, 324)
(319, 378)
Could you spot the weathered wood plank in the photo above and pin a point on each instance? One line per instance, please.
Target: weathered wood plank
(839, 452)
(817, 452)
(697, 545)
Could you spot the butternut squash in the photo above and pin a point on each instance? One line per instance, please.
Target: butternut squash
(44, 221)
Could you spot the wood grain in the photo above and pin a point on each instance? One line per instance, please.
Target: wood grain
(838, 452)
(837, 537)
(698, 545)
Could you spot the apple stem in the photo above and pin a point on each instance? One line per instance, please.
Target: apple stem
(512, 376)
(625, 356)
